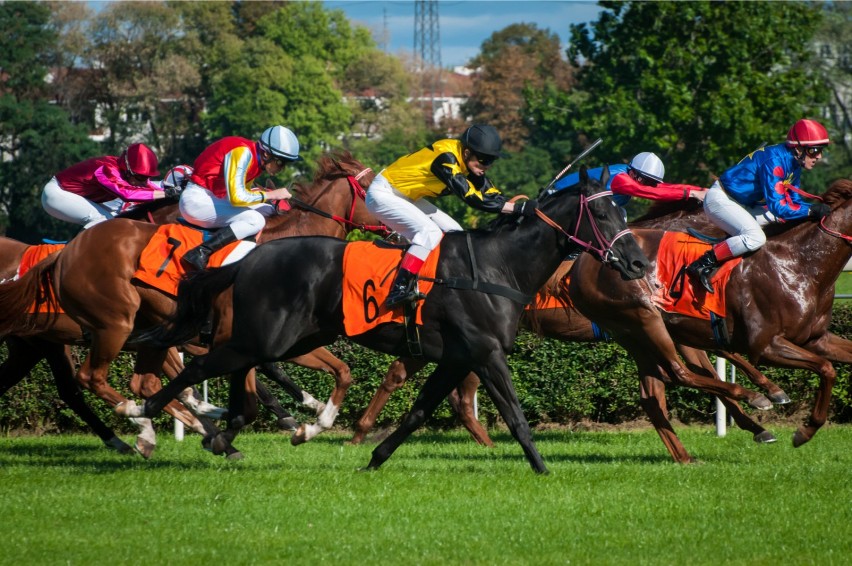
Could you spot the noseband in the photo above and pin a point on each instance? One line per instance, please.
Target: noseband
(601, 247)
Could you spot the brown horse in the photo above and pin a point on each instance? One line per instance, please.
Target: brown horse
(779, 304)
(111, 304)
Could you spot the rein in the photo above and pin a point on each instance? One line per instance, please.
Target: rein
(832, 232)
(604, 248)
(357, 192)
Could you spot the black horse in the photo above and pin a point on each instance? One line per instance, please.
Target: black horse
(287, 300)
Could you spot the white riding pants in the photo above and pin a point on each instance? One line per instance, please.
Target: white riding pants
(419, 221)
(75, 209)
(743, 225)
(201, 207)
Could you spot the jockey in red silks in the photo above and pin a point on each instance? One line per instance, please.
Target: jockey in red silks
(95, 190)
(448, 166)
(759, 190)
(219, 192)
(643, 178)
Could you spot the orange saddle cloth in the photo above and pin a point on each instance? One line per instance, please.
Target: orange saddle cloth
(368, 272)
(33, 255)
(160, 264)
(678, 249)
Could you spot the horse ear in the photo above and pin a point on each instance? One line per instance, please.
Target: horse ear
(584, 175)
(605, 176)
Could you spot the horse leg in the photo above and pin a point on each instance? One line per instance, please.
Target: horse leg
(786, 354)
(498, 382)
(436, 388)
(273, 371)
(93, 375)
(267, 399)
(461, 400)
(652, 398)
(190, 398)
(395, 377)
(242, 411)
(324, 360)
(777, 395)
(698, 362)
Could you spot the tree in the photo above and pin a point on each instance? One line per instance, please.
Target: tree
(37, 138)
(699, 83)
(516, 58)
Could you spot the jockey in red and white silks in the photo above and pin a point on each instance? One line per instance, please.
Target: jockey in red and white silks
(95, 190)
(219, 192)
(761, 189)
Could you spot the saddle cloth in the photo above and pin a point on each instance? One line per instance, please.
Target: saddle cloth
(368, 272)
(677, 250)
(33, 255)
(160, 264)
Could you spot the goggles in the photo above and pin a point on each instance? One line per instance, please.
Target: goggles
(814, 151)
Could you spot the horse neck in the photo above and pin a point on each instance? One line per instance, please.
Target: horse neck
(11, 253)
(819, 250)
(330, 196)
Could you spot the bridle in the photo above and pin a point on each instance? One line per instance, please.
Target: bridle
(601, 247)
(822, 225)
(358, 192)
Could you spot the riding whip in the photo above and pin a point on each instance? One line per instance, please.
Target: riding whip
(583, 154)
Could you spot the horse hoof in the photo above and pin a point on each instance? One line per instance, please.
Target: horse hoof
(761, 402)
(356, 440)
(220, 445)
(299, 437)
(779, 398)
(117, 444)
(235, 455)
(145, 448)
(288, 424)
(207, 442)
(765, 437)
(800, 438)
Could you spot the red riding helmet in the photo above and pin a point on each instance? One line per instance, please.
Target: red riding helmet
(807, 133)
(139, 159)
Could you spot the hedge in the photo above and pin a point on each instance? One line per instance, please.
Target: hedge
(558, 383)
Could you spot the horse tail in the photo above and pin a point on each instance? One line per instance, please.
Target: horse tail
(32, 294)
(196, 294)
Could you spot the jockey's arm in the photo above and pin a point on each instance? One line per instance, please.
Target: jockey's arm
(478, 192)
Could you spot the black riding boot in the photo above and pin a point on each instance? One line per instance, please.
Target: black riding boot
(403, 289)
(198, 256)
(703, 269)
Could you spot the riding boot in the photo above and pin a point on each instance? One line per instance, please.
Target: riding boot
(703, 268)
(198, 256)
(403, 288)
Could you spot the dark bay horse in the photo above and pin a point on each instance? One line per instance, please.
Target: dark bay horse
(463, 329)
(566, 324)
(779, 301)
(110, 304)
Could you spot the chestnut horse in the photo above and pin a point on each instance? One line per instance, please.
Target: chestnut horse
(464, 328)
(112, 304)
(779, 301)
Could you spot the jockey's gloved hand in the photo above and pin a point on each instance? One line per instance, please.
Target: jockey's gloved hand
(819, 210)
(526, 207)
(172, 192)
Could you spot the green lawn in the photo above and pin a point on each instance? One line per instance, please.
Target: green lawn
(844, 284)
(611, 498)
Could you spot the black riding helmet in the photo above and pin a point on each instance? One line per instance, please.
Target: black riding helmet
(482, 139)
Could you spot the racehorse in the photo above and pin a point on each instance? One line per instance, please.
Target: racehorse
(567, 324)
(780, 299)
(464, 329)
(110, 304)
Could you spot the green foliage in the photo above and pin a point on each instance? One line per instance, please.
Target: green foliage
(557, 382)
(699, 83)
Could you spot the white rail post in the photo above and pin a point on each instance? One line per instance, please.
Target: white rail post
(721, 412)
(178, 424)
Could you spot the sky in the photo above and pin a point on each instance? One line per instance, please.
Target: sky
(464, 24)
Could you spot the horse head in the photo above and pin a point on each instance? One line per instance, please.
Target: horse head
(599, 227)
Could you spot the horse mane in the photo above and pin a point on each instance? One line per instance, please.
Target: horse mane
(335, 164)
(839, 191)
(665, 208)
(141, 210)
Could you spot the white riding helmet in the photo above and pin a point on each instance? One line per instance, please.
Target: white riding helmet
(649, 165)
(280, 142)
(176, 176)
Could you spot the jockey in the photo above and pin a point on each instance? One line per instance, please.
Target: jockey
(448, 166)
(95, 190)
(759, 190)
(176, 178)
(219, 193)
(642, 178)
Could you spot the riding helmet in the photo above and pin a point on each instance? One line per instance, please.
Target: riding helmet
(649, 165)
(482, 139)
(139, 159)
(280, 142)
(807, 133)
